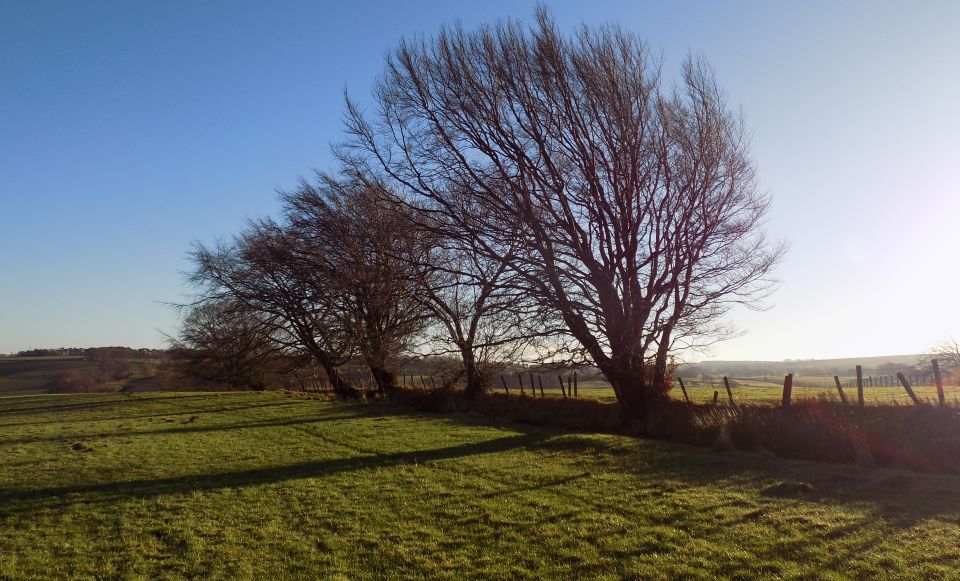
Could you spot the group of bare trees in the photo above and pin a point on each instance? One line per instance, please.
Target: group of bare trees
(513, 193)
(348, 273)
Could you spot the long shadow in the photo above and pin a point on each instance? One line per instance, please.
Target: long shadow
(900, 498)
(74, 406)
(183, 428)
(537, 486)
(18, 500)
(344, 411)
(58, 407)
(181, 411)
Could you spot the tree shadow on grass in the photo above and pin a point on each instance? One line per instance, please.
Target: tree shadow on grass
(16, 500)
(900, 498)
(183, 411)
(124, 402)
(332, 413)
(179, 427)
(111, 399)
(541, 485)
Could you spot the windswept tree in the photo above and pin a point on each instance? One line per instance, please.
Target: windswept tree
(362, 244)
(259, 272)
(480, 316)
(223, 342)
(633, 208)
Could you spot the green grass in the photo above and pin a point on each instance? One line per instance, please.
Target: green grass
(763, 390)
(871, 395)
(248, 485)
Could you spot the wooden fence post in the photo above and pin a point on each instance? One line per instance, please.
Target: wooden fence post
(859, 386)
(843, 396)
(540, 381)
(683, 388)
(533, 387)
(906, 386)
(576, 387)
(787, 389)
(504, 382)
(570, 386)
(937, 377)
(520, 379)
(726, 384)
(716, 397)
(562, 390)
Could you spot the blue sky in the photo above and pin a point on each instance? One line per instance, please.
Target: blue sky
(127, 130)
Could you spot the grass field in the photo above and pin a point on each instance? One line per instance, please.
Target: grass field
(766, 390)
(36, 374)
(248, 485)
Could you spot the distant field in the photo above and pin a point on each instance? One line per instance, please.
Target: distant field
(266, 486)
(36, 374)
(762, 390)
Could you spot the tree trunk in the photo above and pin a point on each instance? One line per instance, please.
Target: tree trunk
(476, 384)
(660, 365)
(635, 391)
(341, 388)
(659, 384)
(385, 379)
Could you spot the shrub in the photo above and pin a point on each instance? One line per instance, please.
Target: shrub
(74, 381)
(925, 438)
(116, 368)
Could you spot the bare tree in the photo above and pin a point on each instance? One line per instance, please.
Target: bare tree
(480, 316)
(225, 343)
(947, 354)
(294, 300)
(362, 244)
(633, 210)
